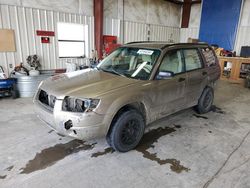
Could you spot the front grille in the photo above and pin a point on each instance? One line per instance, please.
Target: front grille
(46, 99)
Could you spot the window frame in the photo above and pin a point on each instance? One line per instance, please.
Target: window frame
(70, 40)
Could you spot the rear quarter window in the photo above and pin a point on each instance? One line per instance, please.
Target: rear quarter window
(209, 56)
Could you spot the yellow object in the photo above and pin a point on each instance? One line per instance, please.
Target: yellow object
(218, 51)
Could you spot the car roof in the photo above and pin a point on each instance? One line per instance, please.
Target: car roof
(162, 45)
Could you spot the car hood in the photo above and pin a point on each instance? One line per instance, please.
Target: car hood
(88, 83)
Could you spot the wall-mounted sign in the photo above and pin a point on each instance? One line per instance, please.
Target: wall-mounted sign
(45, 40)
(7, 40)
(45, 33)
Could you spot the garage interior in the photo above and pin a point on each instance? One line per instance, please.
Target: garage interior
(185, 149)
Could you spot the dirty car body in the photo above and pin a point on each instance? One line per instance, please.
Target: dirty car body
(152, 79)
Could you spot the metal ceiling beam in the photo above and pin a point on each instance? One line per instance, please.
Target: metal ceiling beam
(187, 4)
(182, 2)
(175, 2)
(196, 2)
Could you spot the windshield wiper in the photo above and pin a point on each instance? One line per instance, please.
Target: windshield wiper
(117, 73)
(112, 71)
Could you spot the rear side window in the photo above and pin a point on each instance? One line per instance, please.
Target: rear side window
(192, 59)
(209, 56)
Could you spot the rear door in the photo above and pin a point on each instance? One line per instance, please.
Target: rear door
(196, 75)
(211, 63)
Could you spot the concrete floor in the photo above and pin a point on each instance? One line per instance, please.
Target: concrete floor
(183, 150)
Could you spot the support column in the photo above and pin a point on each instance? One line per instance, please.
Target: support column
(98, 19)
(120, 16)
(187, 4)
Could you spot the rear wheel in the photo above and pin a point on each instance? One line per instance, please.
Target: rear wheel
(206, 100)
(127, 131)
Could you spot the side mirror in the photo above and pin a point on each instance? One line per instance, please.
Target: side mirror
(164, 75)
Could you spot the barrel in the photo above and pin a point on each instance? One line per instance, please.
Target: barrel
(27, 85)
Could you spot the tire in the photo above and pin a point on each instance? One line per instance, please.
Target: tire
(205, 101)
(126, 131)
(14, 91)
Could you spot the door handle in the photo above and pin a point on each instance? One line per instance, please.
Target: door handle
(181, 79)
(204, 73)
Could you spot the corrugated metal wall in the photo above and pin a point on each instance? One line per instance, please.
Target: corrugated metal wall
(244, 28)
(163, 33)
(112, 27)
(134, 31)
(186, 33)
(138, 31)
(25, 22)
(243, 38)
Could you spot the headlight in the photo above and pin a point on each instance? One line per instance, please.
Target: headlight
(79, 105)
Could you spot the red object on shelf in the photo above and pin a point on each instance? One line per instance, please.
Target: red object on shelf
(110, 43)
(45, 33)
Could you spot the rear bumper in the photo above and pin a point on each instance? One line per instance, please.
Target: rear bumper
(85, 125)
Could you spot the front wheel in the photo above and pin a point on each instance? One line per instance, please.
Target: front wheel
(206, 100)
(127, 131)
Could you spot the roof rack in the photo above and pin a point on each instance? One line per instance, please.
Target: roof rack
(169, 43)
(197, 43)
(135, 42)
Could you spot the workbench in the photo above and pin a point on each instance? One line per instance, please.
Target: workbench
(234, 69)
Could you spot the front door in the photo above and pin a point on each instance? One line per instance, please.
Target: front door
(169, 94)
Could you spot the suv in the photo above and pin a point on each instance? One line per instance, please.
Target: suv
(135, 85)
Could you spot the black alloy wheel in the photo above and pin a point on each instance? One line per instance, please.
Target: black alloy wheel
(126, 131)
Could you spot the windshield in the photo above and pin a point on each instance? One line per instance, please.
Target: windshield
(134, 63)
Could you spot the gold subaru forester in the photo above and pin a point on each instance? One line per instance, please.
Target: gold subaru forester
(135, 85)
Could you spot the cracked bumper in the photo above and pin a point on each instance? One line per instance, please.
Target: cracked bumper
(85, 125)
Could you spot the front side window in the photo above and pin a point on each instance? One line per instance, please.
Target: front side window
(172, 62)
(192, 59)
(133, 63)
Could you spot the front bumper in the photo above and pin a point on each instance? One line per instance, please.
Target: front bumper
(85, 125)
